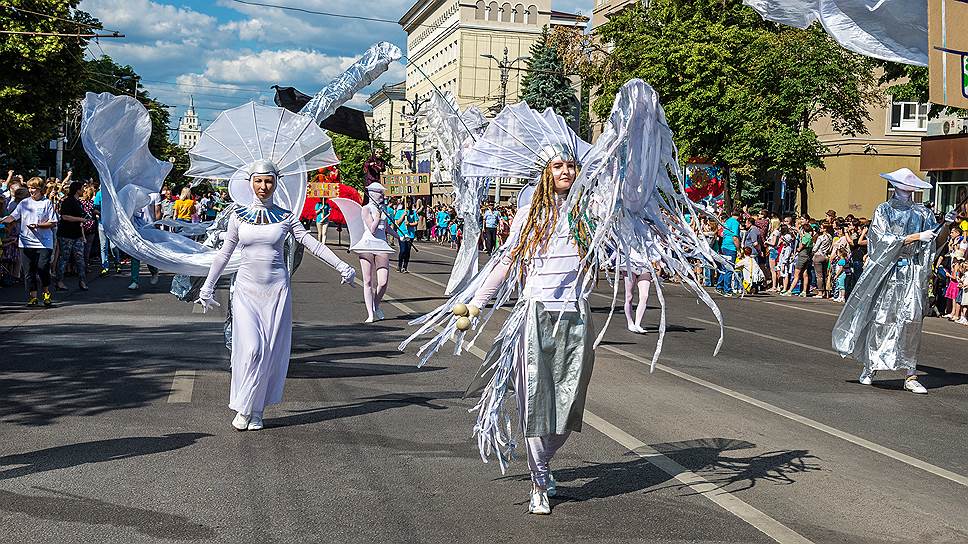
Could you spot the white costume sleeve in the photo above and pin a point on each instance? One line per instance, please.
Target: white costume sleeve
(318, 249)
(221, 259)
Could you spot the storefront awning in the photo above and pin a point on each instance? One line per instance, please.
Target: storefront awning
(944, 153)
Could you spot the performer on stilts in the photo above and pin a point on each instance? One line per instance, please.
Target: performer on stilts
(880, 326)
(586, 202)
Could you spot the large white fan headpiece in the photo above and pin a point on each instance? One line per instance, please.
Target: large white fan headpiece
(250, 133)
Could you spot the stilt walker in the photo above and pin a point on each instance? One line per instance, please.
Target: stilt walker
(586, 202)
(880, 326)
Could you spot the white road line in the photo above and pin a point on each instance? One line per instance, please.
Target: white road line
(853, 439)
(764, 523)
(729, 502)
(843, 435)
(182, 386)
(769, 337)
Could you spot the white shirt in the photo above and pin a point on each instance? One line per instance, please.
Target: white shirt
(553, 274)
(31, 212)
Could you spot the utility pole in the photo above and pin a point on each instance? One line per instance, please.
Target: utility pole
(504, 65)
(416, 103)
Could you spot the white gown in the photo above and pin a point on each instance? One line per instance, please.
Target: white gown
(261, 305)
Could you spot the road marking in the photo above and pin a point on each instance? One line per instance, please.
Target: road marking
(843, 435)
(182, 386)
(729, 502)
(769, 337)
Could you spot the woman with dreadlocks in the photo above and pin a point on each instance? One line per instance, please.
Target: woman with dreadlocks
(583, 206)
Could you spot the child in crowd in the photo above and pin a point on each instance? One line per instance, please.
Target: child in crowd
(751, 272)
(839, 274)
(963, 294)
(453, 235)
(785, 261)
(953, 291)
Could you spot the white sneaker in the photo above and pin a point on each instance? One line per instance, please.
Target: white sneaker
(539, 502)
(866, 376)
(154, 279)
(552, 488)
(241, 422)
(378, 314)
(255, 424)
(962, 321)
(133, 286)
(913, 385)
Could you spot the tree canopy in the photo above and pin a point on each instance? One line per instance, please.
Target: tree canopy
(736, 89)
(546, 83)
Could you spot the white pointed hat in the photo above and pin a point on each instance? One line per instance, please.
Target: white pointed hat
(905, 179)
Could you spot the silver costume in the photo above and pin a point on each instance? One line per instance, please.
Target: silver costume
(880, 325)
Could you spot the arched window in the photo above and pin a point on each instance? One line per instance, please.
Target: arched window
(479, 10)
(492, 11)
(519, 13)
(532, 14)
(506, 13)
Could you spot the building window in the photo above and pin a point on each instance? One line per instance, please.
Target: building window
(506, 13)
(532, 14)
(519, 13)
(909, 116)
(492, 11)
(479, 10)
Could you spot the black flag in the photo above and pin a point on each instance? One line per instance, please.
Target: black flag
(346, 121)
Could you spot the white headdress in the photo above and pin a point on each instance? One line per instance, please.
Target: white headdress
(520, 142)
(906, 180)
(243, 140)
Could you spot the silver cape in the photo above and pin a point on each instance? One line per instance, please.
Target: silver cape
(880, 325)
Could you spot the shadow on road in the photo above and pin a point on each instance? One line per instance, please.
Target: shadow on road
(97, 451)
(705, 456)
(367, 405)
(61, 506)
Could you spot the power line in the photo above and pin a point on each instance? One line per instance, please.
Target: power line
(49, 16)
(76, 35)
(325, 13)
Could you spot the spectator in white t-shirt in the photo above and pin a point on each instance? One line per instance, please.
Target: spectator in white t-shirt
(37, 220)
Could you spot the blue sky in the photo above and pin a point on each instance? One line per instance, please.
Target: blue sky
(226, 53)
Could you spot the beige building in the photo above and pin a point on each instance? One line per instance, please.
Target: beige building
(388, 124)
(850, 183)
(446, 44)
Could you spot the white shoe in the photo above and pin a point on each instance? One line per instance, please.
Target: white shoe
(241, 422)
(379, 315)
(866, 377)
(370, 319)
(636, 329)
(539, 502)
(962, 321)
(255, 424)
(913, 385)
(154, 279)
(552, 488)
(133, 286)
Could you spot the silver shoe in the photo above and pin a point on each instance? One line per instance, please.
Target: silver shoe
(866, 376)
(241, 422)
(913, 385)
(552, 488)
(255, 424)
(539, 502)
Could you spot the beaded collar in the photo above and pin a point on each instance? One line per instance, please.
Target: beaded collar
(261, 215)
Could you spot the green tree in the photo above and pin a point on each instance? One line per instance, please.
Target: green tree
(736, 89)
(546, 83)
(40, 74)
(352, 155)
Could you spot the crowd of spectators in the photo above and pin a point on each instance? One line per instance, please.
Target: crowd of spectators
(50, 229)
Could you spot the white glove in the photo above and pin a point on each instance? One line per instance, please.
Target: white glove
(927, 235)
(207, 304)
(348, 273)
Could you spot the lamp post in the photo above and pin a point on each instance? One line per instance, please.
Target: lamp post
(504, 65)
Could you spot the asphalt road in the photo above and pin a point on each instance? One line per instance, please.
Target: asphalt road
(114, 428)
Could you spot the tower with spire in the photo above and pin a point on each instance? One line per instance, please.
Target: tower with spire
(188, 128)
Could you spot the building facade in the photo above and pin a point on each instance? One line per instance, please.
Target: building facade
(389, 124)
(188, 128)
(455, 46)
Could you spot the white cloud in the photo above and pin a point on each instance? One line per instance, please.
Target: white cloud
(276, 66)
(144, 19)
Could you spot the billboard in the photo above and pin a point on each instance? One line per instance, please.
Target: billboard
(406, 184)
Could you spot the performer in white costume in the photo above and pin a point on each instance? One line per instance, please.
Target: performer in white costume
(880, 325)
(261, 301)
(585, 202)
(637, 276)
(375, 267)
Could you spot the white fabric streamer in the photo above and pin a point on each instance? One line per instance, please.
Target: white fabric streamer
(893, 30)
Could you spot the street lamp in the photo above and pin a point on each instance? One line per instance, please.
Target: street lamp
(505, 66)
